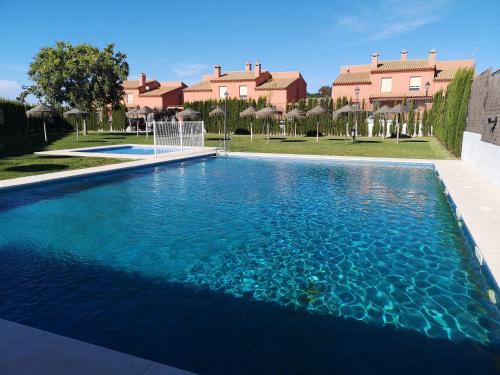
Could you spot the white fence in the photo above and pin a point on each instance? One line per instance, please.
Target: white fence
(178, 136)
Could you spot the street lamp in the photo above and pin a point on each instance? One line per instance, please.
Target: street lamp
(427, 87)
(226, 94)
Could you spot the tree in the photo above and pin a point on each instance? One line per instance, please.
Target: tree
(78, 75)
(325, 91)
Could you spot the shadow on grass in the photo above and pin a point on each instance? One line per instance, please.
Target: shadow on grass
(114, 137)
(95, 141)
(38, 168)
(214, 139)
(54, 157)
(414, 141)
(277, 138)
(293, 140)
(369, 142)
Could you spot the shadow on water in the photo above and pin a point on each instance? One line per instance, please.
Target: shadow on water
(210, 332)
(38, 168)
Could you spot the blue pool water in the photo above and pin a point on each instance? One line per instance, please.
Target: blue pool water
(245, 265)
(130, 150)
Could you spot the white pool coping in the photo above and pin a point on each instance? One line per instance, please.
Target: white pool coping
(78, 152)
(31, 351)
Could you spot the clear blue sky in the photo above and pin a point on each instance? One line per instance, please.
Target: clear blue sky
(183, 39)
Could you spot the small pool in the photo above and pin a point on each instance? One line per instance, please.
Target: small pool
(129, 150)
(253, 266)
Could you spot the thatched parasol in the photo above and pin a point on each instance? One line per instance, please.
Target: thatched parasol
(144, 111)
(249, 112)
(348, 108)
(383, 111)
(295, 114)
(75, 112)
(43, 111)
(217, 112)
(187, 114)
(317, 111)
(267, 113)
(399, 109)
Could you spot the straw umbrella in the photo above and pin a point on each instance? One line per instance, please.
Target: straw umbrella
(188, 114)
(249, 112)
(75, 112)
(267, 113)
(399, 109)
(317, 112)
(43, 111)
(144, 111)
(382, 111)
(131, 114)
(346, 109)
(217, 112)
(295, 114)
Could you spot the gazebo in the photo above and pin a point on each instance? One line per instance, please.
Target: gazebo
(43, 111)
(249, 112)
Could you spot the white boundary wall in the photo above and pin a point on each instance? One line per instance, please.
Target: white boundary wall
(483, 156)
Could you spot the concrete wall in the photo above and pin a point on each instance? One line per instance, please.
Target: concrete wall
(483, 156)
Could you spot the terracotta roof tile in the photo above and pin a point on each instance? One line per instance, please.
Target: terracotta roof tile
(133, 84)
(236, 76)
(276, 83)
(408, 94)
(200, 86)
(159, 91)
(395, 65)
(351, 78)
(445, 75)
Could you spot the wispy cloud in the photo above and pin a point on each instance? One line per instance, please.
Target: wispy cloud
(9, 89)
(189, 70)
(388, 18)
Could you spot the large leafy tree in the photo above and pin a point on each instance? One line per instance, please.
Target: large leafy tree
(78, 75)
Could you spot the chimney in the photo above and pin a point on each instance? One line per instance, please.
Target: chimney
(374, 59)
(404, 55)
(432, 57)
(248, 67)
(142, 79)
(217, 71)
(258, 69)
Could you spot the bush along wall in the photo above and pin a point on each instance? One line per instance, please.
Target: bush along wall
(449, 112)
(14, 122)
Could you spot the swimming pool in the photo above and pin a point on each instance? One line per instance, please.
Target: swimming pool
(252, 265)
(130, 150)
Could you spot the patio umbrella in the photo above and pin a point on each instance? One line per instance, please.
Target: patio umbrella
(383, 111)
(249, 112)
(317, 112)
(399, 109)
(144, 111)
(131, 114)
(217, 112)
(188, 114)
(75, 112)
(43, 111)
(267, 113)
(293, 115)
(348, 108)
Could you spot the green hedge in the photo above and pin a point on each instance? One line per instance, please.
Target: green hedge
(15, 122)
(449, 112)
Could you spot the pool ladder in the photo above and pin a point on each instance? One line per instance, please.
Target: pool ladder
(221, 151)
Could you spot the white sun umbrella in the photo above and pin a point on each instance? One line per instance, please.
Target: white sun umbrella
(249, 112)
(43, 111)
(144, 111)
(267, 113)
(75, 112)
(399, 109)
(295, 114)
(317, 112)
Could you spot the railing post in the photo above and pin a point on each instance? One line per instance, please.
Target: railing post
(154, 138)
(180, 135)
(203, 135)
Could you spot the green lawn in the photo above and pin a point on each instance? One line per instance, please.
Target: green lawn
(17, 159)
(418, 148)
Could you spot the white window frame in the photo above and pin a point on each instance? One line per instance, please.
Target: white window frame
(413, 85)
(244, 92)
(386, 87)
(130, 98)
(222, 91)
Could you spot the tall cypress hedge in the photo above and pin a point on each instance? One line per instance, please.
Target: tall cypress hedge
(15, 122)
(449, 112)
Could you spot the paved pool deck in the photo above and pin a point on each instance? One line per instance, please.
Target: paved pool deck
(29, 351)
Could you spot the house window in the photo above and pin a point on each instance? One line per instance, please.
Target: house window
(386, 85)
(222, 91)
(130, 98)
(243, 91)
(415, 83)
